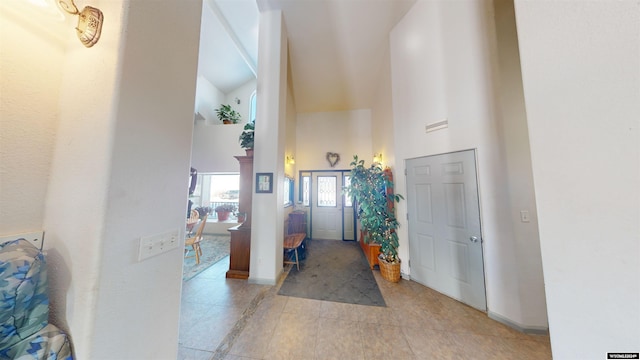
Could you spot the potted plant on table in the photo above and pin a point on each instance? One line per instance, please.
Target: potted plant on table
(224, 210)
(227, 115)
(246, 138)
(372, 189)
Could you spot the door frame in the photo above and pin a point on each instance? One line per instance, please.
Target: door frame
(480, 211)
(310, 207)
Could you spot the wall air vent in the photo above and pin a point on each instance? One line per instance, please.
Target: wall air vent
(437, 125)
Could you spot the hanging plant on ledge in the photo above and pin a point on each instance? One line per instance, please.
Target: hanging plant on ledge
(227, 115)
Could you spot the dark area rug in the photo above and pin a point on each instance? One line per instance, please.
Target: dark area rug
(333, 271)
(214, 249)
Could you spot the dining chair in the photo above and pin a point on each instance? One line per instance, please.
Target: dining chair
(192, 221)
(194, 241)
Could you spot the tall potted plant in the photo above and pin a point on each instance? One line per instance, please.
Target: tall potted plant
(372, 189)
(246, 138)
(227, 115)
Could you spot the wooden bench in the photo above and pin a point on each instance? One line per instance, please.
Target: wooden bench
(292, 242)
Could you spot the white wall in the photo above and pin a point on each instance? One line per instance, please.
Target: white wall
(270, 138)
(30, 89)
(57, 124)
(382, 131)
(76, 203)
(347, 133)
(208, 99)
(514, 138)
(243, 93)
(214, 147)
(290, 170)
(581, 85)
(122, 153)
(441, 65)
(291, 141)
(152, 140)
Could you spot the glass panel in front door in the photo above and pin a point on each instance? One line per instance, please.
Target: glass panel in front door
(327, 191)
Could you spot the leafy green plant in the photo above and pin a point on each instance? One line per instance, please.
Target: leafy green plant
(372, 189)
(246, 137)
(226, 208)
(225, 112)
(203, 210)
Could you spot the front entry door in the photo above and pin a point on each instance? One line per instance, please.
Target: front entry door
(326, 218)
(444, 226)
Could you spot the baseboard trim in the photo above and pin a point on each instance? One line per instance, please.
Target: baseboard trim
(534, 330)
(261, 281)
(279, 280)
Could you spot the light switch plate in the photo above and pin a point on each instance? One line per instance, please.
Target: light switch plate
(36, 238)
(524, 216)
(157, 244)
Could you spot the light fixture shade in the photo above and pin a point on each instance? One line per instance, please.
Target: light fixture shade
(89, 26)
(291, 160)
(377, 158)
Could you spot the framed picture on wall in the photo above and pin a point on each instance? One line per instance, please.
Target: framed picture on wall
(264, 182)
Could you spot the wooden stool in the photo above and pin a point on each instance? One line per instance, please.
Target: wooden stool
(292, 242)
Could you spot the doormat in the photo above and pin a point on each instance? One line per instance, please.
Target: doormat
(214, 249)
(333, 271)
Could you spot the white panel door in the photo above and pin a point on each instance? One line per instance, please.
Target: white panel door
(326, 216)
(444, 226)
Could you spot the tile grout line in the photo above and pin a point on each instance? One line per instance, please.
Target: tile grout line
(225, 345)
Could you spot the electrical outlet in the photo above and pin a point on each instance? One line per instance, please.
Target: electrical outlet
(524, 216)
(36, 238)
(158, 244)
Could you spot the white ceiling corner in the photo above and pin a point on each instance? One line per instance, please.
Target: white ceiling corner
(228, 43)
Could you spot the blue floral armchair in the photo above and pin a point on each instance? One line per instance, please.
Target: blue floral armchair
(25, 332)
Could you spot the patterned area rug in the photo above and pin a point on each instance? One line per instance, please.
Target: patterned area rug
(333, 271)
(214, 248)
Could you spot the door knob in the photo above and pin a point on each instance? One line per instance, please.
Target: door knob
(473, 239)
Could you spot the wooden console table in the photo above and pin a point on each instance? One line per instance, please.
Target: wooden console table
(371, 251)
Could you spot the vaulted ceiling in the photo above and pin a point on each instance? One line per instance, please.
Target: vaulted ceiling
(228, 43)
(337, 47)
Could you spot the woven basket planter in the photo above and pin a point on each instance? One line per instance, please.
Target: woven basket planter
(389, 271)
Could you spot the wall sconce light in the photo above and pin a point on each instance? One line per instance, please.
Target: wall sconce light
(377, 158)
(291, 160)
(89, 22)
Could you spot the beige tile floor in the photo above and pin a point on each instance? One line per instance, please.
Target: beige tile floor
(232, 319)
